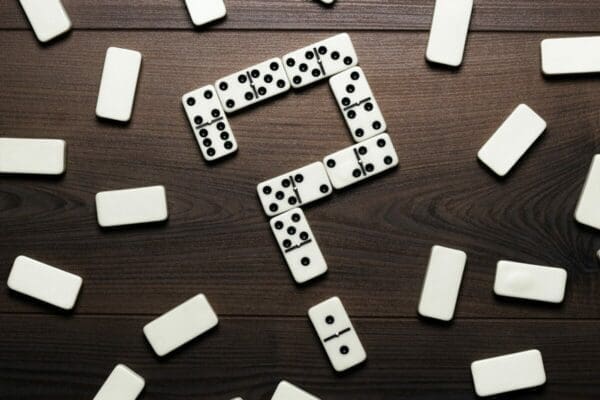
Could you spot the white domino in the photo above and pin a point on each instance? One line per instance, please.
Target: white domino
(508, 373)
(48, 18)
(510, 142)
(336, 333)
(449, 28)
(131, 206)
(320, 60)
(287, 391)
(205, 11)
(361, 161)
(298, 245)
(294, 189)
(357, 103)
(121, 384)
(252, 85)
(588, 206)
(442, 283)
(44, 282)
(531, 282)
(180, 325)
(578, 55)
(209, 123)
(119, 83)
(32, 156)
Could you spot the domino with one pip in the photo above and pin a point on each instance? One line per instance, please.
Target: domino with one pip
(48, 18)
(449, 29)
(287, 391)
(510, 142)
(32, 156)
(531, 282)
(121, 384)
(577, 55)
(588, 206)
(131, 206)
(205, 11)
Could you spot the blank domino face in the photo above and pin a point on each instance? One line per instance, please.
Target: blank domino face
(320, 60)
(209, 123)
(588, 207)
(579, 55)
(287, 391)
(357, 103)
(449, 30)
(510, 142)
(294, 189)
(298, 245)
(32, 156)
(340, 340)
(121, 384)
(131, 206)
(531, 282)
(180, 325)
(361, 161)
(205, 11)
(508, 373)
(48, 18)
(442, 283)
(119, 83)
(252, 85)
(44, 282)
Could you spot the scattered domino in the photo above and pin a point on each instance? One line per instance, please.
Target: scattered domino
(121, 384)
(44, 282)
(361, 161)
(131, 206)
(252, 85)
(48, 18)
(298, 245)
(508, 373)
(336, 333)
(118, 84)
(442, 283)
(531, 282)
(205, 11)
(287, 391)
(357, 102)
(32, 156)
(588, 206)
(209, 123)
(449, 29)
(579, 55)
(180, 325)
(320, 60)
(510, 142)
(294, 189)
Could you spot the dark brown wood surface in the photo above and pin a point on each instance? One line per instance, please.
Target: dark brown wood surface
(376, 236)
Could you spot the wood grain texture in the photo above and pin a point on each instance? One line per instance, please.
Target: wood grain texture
(488, 15)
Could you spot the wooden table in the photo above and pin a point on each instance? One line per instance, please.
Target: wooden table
(375, 236)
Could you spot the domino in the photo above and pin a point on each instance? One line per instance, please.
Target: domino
(131, 206)
(118, 84)
(510, 142)
(294, 189)
(508, 373)
(320, 60)
(442, 283)
(357, 103)
(44, 282)
(121, 384)
(580, 55)
(252, 85)
(205, 11)
(531, 282)
(298, 245)
(48, 18)
(180, 325)
(449, 29)
(588, 206)
(336, 333)
(32, 156)
(361, 161)
(209, 123)
(287, 391)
